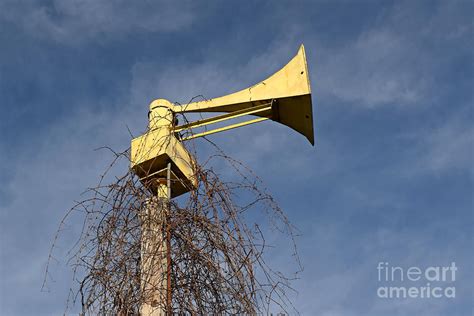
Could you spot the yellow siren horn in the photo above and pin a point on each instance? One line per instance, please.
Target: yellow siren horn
(284, 97)
(289, 89)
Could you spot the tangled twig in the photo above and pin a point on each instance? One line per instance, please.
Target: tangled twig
(217, 260)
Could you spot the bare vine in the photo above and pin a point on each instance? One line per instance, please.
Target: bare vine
(217, 259)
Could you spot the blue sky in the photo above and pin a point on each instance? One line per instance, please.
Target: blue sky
(390, 178)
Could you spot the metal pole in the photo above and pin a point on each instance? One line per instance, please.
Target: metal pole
(169, 298)
(156, 253)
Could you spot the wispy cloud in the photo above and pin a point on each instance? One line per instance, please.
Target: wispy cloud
(397, 60)
(212, 77)
(440, 149)
(70, 21)
(372, 71)
(45, 181)
(449, 147)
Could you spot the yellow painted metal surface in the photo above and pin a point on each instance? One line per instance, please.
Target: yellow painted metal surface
(257, 110)
(284, 97)
(150, 154)
(289, 87)
(225, 128)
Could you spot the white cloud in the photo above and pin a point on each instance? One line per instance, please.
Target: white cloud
(396, 61)
(449, 147)
(444, 148)
(176, 82)
(349, 286)
(72, 21)
(47, 177)
(376, 69)
(211, 78)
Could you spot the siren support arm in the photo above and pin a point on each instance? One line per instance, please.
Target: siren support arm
(265, 111)
(225, 128)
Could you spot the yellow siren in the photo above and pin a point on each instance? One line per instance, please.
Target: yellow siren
(284, 97)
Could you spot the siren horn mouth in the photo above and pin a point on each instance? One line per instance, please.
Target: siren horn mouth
(288, 89)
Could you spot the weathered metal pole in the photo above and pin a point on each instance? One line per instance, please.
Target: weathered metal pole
(169, 300)
(156, 235)
(155, 272)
